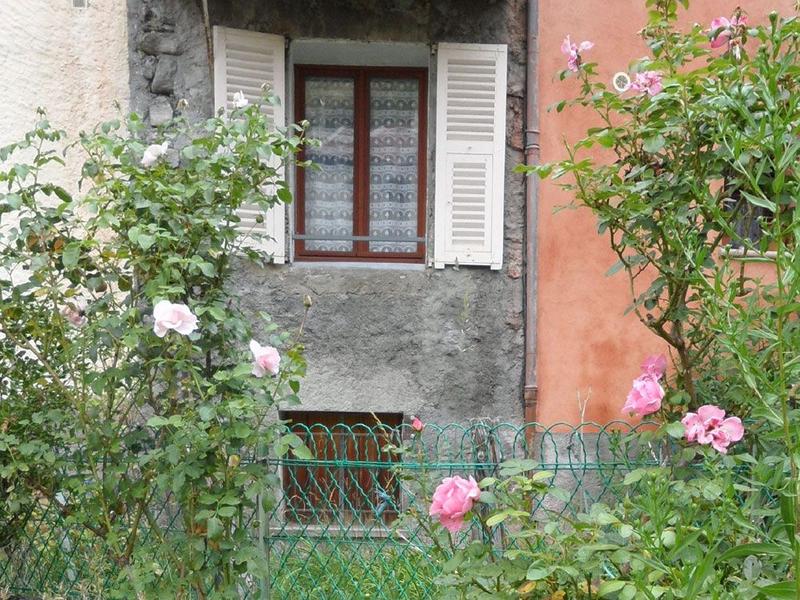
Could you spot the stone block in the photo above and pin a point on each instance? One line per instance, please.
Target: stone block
(160, 111)
(164, 78)
(149, 67)
(155, 43)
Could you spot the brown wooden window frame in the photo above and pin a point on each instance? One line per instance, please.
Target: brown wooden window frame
(361, 146)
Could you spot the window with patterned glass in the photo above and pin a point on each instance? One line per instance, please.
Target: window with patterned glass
(364, 197)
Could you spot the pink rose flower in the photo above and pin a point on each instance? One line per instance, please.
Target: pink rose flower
(709, 426)
(655, 365)
(645, 396)
(239, 100)
(265, 359)
(173, 316)
(417, 425)
(452, 500)
(722, 29)
(692, 426)
(720, 26)
(152, 153)
(699, 424)
(729, 431)
(74, 315)
(647, 81)
(572, 52)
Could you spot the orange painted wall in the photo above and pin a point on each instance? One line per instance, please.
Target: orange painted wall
(585, 344)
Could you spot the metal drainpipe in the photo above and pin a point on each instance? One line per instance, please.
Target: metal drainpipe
(530, 390)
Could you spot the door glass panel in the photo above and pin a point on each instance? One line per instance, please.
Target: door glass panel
(329, 186)
(393, 163)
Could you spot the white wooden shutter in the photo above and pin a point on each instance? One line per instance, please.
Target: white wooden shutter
(244, 61)
(470, 154)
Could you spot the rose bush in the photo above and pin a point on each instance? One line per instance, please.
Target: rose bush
(131, 406)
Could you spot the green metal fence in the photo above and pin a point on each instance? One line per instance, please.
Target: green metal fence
(336, 531)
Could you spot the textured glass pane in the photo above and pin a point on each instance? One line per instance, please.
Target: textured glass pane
(393, 165)
(329, 188)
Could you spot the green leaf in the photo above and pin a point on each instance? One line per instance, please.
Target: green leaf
(654, 144)
(536, 573)
(145, 241)
(157, 422)
(615, 268)
(214, 528)
(302, 452)
(71, 255)
(487, 498)
(759, 201)
(206, 412)
(62, 194)
(207, 269)
(541, 476)
(606, 140)
(748, 549)
(191, 152)
(701, 573)
(501, 516)
(516, 466)
(284, 195)
(217, 313)
(633, 477)
(226, 512)
(610, 587)
(14, 200)
(785, 590)
(787, 505)
(452, 564)
(675, 429)
(628, 592)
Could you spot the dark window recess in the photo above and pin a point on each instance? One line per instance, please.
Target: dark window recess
(354, 483)
(748, 219)
(365, 198)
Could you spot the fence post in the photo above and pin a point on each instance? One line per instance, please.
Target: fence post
(263, 529)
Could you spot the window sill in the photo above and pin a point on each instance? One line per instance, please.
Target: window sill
(749, 255)
(365, 265)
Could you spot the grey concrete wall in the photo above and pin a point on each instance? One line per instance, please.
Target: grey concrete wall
(446, 345)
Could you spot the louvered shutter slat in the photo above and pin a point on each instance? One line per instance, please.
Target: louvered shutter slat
(243, 62)
(470, 154)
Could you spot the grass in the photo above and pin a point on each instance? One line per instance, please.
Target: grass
(363, 570)
(305, 568)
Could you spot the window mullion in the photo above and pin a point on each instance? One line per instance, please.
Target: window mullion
(361, 191)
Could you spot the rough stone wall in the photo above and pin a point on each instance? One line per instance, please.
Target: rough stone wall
(443, 344)
(168, 59)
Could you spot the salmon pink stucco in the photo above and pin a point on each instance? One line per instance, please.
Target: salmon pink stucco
(587, 348)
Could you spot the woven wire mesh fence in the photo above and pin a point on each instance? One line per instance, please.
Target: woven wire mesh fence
(336, 529)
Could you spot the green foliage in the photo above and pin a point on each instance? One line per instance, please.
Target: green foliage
(104, 421)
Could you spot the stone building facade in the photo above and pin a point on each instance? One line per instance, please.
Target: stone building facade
(446, 344)
(449, 344)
